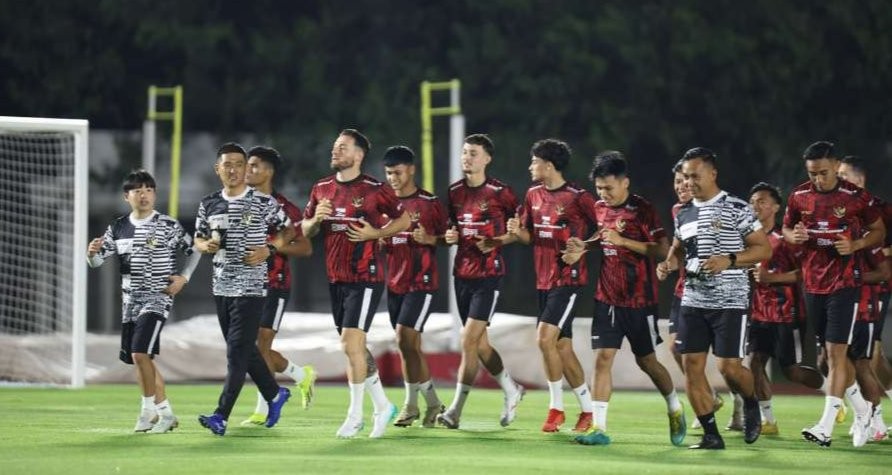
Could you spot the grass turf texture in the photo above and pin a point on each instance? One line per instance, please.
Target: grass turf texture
(89, 431)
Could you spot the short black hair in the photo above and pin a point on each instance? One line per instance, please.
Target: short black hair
(231, 147)
(555, 151)
(608, 163)
(482, 140)
(771, 189)
(361, 140)
(819, 151)
(267, 154)
(398, 155)
(856, 162)
(702, 153)
(137, 179)
(677, 167)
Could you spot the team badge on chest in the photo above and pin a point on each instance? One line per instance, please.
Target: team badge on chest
(357, 201)
(839, 212)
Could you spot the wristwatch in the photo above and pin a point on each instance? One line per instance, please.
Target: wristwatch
(733, 258)
(272, 249)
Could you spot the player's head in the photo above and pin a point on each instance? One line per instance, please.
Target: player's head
(821, 163)
(476, 153)
(853, 169)
(399, 167)
(263, 163)
(232, 162)
(349, 149)
(139, 191)
(681, 189)
(766, 201)
(547, 158)
(699, 172)
(610, 176)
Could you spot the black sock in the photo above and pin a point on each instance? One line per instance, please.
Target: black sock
(708, 423)
(750, 403)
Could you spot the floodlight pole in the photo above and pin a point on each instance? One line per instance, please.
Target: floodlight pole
(175, 116)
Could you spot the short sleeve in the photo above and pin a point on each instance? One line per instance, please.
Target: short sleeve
(388, 203)
(792, 214)
(202, 227)
(438, 218)
(747, 223)
(108, 245)
(652, 224)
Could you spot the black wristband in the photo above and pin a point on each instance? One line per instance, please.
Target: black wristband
(272, 248)
(733, 258)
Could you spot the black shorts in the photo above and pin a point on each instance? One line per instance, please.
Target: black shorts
(557, 306)
(777, 340)
(722, 329)
(353, 305)
(833, 315)
(639, 325)
(880, 323)
(410, 309)
(142, 335)
(477, 298)
(863, 341)
(674, 312)
(274, 308)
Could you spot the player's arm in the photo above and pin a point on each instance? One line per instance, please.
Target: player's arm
(873, 237)
(756, 249)
(316, 214)
(762, 276)
(881, 273)
(364, 231)
(300, 246)
(520, 232)
(671, 263)
(656, 250)
(100, 248)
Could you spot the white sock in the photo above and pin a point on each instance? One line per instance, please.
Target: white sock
(856, 400)
(412, 394)
(556, 395)
(508, 385)
(430, 394)
(600, 408)
(164, 408)
(355, 410)
(767, 412)
(672, 402)
(262, 406)
(148, 404)
(376, 391)
(878, 421)
(294, 372)
(584, 397)
(832, 405)
(461, 395)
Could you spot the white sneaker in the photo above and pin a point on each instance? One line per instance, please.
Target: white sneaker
(350, 428)
(145, 421)
(509, 410)
(860, 430)
(382, 420)
(165, 424)
(818, 435)
(448, 419)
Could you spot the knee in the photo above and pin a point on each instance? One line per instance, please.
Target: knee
(406, 344)
(728, 366)
(646, 363)
(546, 342)
(141, 358)
(603, 361)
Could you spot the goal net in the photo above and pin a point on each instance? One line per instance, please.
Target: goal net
(43, 237)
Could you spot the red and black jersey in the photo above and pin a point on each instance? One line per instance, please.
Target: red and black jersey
(480, 211)
(279, 271)
(679, 283)
(869, 296)
(778, 303)
(552, 217)
(628, 279)
(412, 266)
(845, 211)
(886, 213)
(365, 198)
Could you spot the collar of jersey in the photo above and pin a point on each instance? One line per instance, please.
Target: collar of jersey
(137, 222)
(237, 197)
(721, 194)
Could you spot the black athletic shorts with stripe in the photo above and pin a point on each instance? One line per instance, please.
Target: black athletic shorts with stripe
(477, 298)
(639, 325)
(274, 309)
(142, 335)
(725, 330)
(353, 305)
(777, 340)
(410, 310)
(557, 306)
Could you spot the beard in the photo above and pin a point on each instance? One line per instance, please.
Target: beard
(340, 165)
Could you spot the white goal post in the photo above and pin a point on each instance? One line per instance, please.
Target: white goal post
(43, 237)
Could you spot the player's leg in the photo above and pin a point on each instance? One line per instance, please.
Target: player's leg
(729, 328)
(463, 296)
(273, 309)
(243, 329)
(694, 337)
(145, 343)
(607, 337)
(878, 361)
(674, 350)
(547, 337)
(866, 395)
(411, 311)
(575, 377)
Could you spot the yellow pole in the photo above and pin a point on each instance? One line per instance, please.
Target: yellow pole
(427, 150)
(176, 144)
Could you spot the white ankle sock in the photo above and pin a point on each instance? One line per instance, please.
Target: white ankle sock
(832, 405)
(556, 395)
(412, 394)
(430, 394)
(767, 412)
(672, 402)
(584, 396)
(164, 408)
(356, 393)
(461, 396)
(600, 408)
(508, 385)
(376, 391)
(262, 406)
(294, 372)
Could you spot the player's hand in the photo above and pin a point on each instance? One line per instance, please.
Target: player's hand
(844, 245)
(323, 210)
(574, 245)
(95, 246)
(513, 224)
(207, 246)
(611, 236)
(666, 267)
(421, 236)
(486, 244)
(451, 236)
(572, 257)
(177, 282)
(800, 233)
(256, 255)
(887, 251)
(761, 274)
(715, 264)
(362, 232)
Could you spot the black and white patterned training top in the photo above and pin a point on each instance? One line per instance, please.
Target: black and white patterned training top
(147, 252)
(716, 227)
(239, 222)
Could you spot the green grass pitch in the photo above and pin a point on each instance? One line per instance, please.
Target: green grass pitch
(88, 431)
